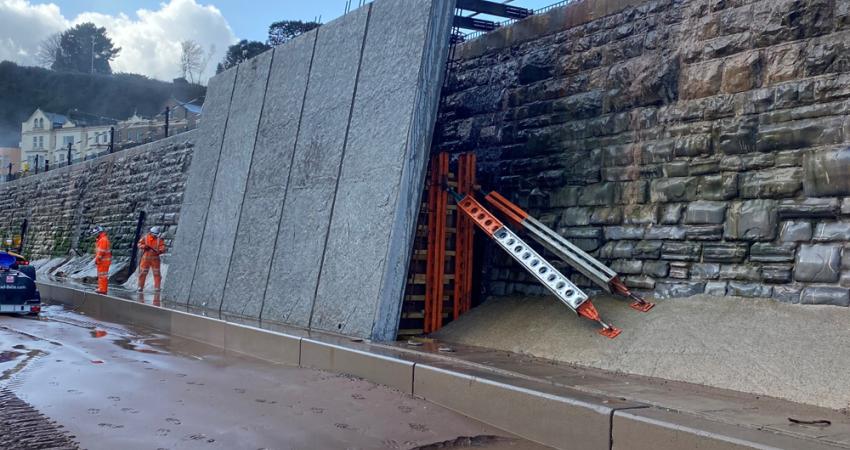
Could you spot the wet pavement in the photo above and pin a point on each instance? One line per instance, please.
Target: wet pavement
(112, 386)
(22, 426)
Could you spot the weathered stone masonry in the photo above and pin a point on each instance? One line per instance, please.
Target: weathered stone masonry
(696, 145)
(62, 204)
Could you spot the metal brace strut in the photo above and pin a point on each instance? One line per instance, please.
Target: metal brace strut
(557, 283)
(577, 258)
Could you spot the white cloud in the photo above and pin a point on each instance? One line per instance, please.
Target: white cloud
(149, 41)
(24, 27)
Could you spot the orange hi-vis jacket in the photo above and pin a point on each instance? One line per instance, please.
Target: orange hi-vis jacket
(151, 247)
(103, 251)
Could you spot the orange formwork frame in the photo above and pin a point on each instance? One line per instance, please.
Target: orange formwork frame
(436, 259)
(437, 239)
(464, 239)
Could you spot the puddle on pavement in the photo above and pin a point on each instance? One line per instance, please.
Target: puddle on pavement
(136, 345)
(9, 355)
(482, 441)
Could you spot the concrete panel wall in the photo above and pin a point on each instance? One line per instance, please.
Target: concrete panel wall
(266, 190)
(315, 171)
(314, 223)
(196, 198)
(231, 177)
(383, 170)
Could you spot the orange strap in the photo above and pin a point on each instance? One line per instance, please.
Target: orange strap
(512, 211)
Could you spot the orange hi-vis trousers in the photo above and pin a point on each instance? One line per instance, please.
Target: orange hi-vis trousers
(103, 277)
(152, 264)
(103, 259)
(151, 247)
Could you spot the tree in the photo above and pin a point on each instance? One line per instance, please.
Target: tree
(286, 30)
(85, 48)
(120, 95)
(191, 59)
(239, 52)
(49, 49)
(205, 62)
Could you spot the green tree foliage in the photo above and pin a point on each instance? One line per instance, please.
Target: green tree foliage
(286, 30)
(239, 52)
(23, 89)
(84, 48)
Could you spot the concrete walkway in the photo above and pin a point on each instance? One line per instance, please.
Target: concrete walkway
(531, 397)
(793, 352)
(113, 386)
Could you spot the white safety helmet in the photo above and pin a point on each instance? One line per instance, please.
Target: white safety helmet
(156, 231)
(95, 230)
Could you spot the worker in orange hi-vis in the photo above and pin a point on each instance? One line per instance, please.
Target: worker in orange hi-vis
(102, 258)
(152, 246)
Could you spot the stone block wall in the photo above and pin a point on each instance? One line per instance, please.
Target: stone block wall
(698, 146)
(63, 204)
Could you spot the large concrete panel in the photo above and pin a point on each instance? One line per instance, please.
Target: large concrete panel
(196, 198)
(312, 184)
(231, 178)
(267, 181)
(313, 201)
(382, 175)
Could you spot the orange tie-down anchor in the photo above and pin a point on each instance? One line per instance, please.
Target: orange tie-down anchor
(557, 283)
(577, 258)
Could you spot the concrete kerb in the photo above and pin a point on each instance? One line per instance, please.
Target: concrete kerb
(392, 372)
(271, 346)
(657, 429)
(550, 415)
(576, 421)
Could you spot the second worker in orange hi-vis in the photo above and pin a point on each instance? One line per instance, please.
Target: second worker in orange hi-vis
(102, 258)
(152, 246)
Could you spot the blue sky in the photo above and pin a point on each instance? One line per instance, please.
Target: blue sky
(249, 19)
(150, 32)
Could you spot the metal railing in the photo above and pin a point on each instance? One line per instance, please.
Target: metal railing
(43, 165)
(477, 34)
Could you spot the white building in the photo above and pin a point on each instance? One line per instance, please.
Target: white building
(47, 135)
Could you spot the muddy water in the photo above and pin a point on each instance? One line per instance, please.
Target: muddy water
(116, 387)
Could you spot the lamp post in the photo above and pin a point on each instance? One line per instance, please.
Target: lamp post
(167, 113)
